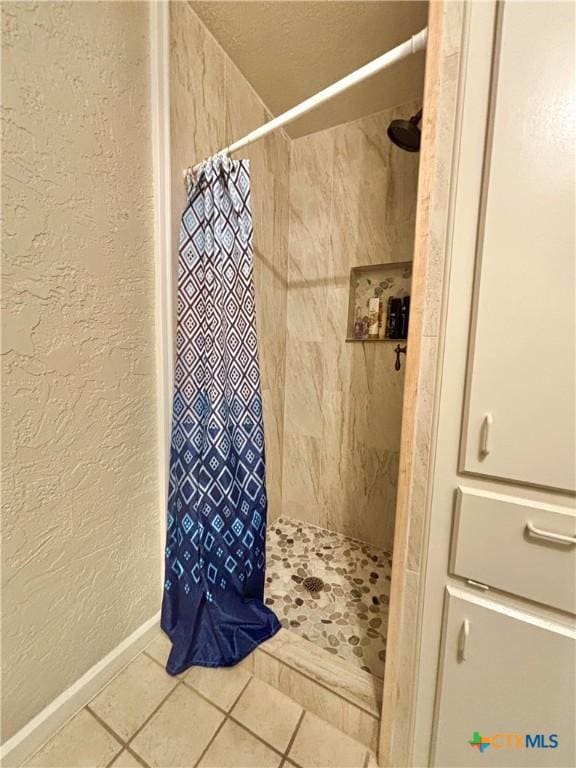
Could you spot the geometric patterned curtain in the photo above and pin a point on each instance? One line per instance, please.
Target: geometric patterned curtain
(213, 608)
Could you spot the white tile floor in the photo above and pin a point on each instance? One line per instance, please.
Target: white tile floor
(210, 718)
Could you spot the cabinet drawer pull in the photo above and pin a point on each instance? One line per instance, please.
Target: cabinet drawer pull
(485, 435)
(561, 538)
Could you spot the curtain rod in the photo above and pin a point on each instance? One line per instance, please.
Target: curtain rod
(416, 43)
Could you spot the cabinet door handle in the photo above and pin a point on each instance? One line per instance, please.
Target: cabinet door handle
(485, 435)
(561, 538)
(463, 640)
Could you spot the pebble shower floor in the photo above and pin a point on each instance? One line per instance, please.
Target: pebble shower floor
(348, 617)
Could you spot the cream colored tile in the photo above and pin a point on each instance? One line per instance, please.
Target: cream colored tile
(311, 166)
(356, 472)
(244, 110)
(235, 747)
(267, 713)
(320, 745)
(325, 671)
(306, 309)
(348, 718)
(132, 696)
(197, 84)
(273, 406)
(221, 685)
(160, 648)
(405, 662)
(178, 733)
(304, 511)
(374, 193)
(432, 240)
(126, 760)
(452, 27)
(82, 742)
(303, 403)
(421, 466)
(301, 478)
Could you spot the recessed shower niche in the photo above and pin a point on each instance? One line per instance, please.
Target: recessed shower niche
(379, 302)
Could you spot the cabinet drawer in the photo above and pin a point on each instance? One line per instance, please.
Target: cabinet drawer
(510, 543)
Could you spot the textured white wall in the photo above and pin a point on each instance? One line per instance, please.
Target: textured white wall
(81, 523)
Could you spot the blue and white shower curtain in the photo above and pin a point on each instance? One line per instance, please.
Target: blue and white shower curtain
(213, 608)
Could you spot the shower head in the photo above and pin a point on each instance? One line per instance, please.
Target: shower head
(406, 133)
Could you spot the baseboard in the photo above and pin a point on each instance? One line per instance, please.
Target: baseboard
(30, 738)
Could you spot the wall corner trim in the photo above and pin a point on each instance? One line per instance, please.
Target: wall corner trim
(47, 722)
(159, 30)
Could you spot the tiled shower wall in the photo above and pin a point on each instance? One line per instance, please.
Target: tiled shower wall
(321, 204)
(352, 202)
(212, 104)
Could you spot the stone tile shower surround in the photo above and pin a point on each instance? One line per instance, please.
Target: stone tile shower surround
(352, 203)
(332, 411)
(326, 202)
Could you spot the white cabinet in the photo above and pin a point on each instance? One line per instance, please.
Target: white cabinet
(505, 675)
(521, 414)
(499, 660)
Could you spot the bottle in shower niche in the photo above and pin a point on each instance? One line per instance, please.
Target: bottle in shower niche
(393, 318)
(404, 317)
(381, 321)
(358, 325)
(373, 317)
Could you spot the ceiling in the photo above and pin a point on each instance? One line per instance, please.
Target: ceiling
(290, 49)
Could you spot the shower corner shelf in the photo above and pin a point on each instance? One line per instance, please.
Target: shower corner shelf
(392, 279)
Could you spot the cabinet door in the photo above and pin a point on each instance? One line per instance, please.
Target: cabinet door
(521, 388)
(504, 675)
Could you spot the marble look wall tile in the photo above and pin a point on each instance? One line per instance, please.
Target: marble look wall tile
(301, 490)
(361, 163)
(306, 308)
(359, 470)
(310, 204)
(405, 662)
(367, 204)
(273, 411)
(197, 71)
(337, 293)
(360, 688)
(421, 457)
(438, 206)
(244, 110)
(401, 198)
(303, 403)
(374, 194)
(271, 308)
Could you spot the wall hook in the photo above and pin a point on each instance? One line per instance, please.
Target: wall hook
(399, 351)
